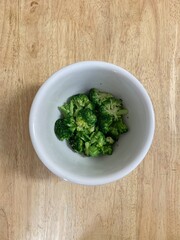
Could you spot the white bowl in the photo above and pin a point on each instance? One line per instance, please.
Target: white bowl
(79, 78)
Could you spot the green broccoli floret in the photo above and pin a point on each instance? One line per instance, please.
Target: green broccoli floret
(76, 103)
(113, 107)
(113, 132)
(98, 139)
(110, 140)
(98, 97)
(93, 147)
(117, 128)
(104, 122)
(77, 144)
(83, 135)
(64, 128)
(79, 102)
(86, 120)
(121, 126)
(107, 149)
(92, 150)
(67, 109)
(90, 105)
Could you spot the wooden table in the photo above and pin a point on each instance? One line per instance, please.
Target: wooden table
(36, 39)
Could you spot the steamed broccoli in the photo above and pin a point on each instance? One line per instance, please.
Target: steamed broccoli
(75, 104)
(113, 107)
(117, 128)
(83, 136)
(98, 145)
(77, 144)
(110, 140)
(113, 132)
(86, 120)
(95, 146)
(98, 138)
(98, 97)
(64, 128)
(91, 123)
(92, 150)
(121, 126)
(104, 122)
(107, 149)
(67, 109)
(80, 101)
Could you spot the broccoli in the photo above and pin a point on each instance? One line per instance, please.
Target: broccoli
(67, 109)
(83, 136)
(76, 103)
(86, 120)
(98, 138)
(113, 107)
(77, 144)
(91, 106)
(121, 126)
(98, 97)
(113, 132)
(117, 128)
(110, 140)
(107, 149)
(92, 150)
(104, 122)
(91, 123)
(64, 128)
(80, 101)
(94, 147)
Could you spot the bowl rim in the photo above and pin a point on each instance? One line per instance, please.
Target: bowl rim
(85, 180)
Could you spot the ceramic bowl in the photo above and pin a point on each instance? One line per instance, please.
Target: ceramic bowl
(131, 148)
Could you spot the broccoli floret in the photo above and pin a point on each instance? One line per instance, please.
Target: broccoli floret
(113, 132)
(98, 97)
(104, 122)
(95, 151)
(117, 128)
(107, 149)
(79, 102)
(64, 128)
(92, 150)
(90, 105)
(93, 147)
(121, 126)
(86, 120)
(113, 107)
(98, 139)
(67, 109)
(83, 135)
(110, 140)
(76, 103)
(77, 144)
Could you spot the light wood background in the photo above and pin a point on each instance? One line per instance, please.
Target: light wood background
(36, 39)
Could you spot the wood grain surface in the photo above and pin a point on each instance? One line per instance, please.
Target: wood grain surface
(36, 39)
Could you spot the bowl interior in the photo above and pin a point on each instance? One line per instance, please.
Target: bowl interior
(128, 151)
